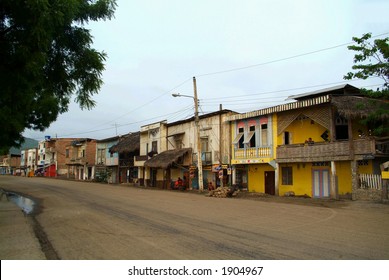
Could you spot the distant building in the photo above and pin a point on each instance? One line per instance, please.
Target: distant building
(80, 158)
(11, 163)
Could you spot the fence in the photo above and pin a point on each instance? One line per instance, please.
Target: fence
(370, 181)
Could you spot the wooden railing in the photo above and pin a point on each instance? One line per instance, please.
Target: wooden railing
(75, 161)
(370, 181)
(248, 153)
(206, 158)
(327, 151)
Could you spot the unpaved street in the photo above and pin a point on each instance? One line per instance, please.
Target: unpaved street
(96, 221)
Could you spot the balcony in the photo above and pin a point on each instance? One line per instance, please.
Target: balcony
(138, 160)
(75, 161)
(206, 158)
(114, 161)
(253, 153)
(327, 151)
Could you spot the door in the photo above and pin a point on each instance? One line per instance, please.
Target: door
(321, 183)
(153, 179)
(270, 187)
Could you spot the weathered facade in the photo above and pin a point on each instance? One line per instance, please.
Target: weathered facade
(169, 151)
(127, 148)
(317, 145)
(54, 160)
(80, 159)
(107, 162)
(29, 159)
(153, 140)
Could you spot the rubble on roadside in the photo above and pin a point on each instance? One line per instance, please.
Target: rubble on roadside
(223, 192)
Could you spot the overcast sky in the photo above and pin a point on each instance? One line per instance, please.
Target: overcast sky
(245, 55)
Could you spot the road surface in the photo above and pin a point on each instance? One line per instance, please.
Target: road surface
(79, 220)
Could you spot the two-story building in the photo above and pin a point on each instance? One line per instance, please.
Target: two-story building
(127, 149)
(153, 141)
(107, 161)
(80, 158)
(315, 146)
(253, 151)
(55, 155)
(11, 163)
(28, 162)
(168, 151)
(46, 160)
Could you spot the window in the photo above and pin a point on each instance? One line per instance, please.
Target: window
(83, 153)
(204, 144)
(67, 153)
(241, 139)
(178, 144)
(341, 128)
(100, 156)
(250, 137)
(154, 146)
(287, 175)
(238, 141)
(264, 141)
(286, 138)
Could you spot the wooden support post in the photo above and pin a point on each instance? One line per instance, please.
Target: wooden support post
(334, 182)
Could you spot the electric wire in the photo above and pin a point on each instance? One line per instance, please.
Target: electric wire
(211, 74)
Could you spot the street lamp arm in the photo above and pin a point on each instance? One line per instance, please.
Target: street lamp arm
(181, 95)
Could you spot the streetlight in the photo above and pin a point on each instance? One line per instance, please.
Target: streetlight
(197, 123)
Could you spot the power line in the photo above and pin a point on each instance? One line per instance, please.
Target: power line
(279, 60)
(226, 97)
(147, 103)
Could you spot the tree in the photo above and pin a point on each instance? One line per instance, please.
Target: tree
(46, 58)
(372, 60)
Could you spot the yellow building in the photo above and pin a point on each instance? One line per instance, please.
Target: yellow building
(315, 146)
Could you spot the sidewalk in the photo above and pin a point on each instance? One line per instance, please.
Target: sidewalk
(17, 238)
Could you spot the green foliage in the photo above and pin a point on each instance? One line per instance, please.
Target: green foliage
(103, 175)
(372, 60)
(47, 58)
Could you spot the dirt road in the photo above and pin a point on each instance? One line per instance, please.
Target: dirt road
(96, 221)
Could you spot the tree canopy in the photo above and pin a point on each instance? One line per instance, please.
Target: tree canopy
(46, 58)
(372, 60)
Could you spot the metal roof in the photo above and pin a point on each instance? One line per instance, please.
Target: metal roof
(301, 101)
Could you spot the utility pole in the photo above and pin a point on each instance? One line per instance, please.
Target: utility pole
(197, 123)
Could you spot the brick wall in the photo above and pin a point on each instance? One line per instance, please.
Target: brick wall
(90, 152)
(60, 149)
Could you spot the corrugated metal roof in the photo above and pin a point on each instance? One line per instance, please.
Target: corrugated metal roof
(324, 91)
(280, 108)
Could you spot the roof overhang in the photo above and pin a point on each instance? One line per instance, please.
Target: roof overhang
(166, 159)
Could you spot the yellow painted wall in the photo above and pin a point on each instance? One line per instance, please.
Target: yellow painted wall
(256, 177)
(343, 172)
(301, 130)
(302, 179)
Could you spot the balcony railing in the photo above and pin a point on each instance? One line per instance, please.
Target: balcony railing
(138, 161)
(250, 153)
(75, 161)
(327, 151)
(206, 158)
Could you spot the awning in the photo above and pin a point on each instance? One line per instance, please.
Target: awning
(166, 159)
(237, 138)
(248, 138)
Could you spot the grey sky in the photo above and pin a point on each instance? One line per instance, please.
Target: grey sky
(271, 47)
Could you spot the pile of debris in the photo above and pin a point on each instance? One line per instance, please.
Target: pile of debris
(222, 192)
